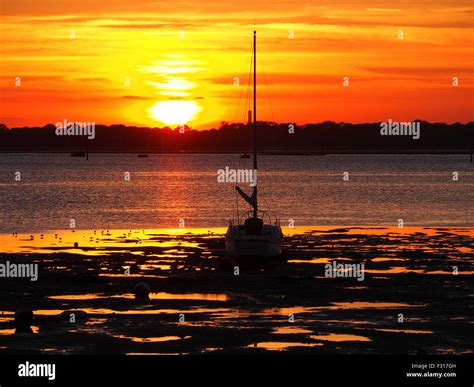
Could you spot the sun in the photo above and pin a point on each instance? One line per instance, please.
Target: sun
(174, 112)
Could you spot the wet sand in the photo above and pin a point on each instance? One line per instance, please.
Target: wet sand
(198, 304)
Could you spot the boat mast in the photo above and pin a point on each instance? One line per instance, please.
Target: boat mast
(255, 207)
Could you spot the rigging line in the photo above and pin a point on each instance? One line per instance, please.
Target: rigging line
(247, 100)
(241, 90)
(266, 84)
(250, 66)
(266, 202)
(263, 192)
(237, 206)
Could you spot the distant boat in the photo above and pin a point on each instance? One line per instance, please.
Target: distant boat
(249, 236)
(78, 154)
(244, 156)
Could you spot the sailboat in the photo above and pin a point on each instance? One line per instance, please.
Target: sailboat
(254, 235)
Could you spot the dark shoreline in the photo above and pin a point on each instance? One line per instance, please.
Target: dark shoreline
(314, 138)
(267, 153)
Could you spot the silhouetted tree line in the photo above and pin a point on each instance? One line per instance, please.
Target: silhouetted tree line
(325, 137)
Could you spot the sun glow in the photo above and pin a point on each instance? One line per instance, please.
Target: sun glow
(122, 59)
(174, 112)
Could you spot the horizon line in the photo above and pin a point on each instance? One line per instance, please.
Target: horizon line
(225, 123)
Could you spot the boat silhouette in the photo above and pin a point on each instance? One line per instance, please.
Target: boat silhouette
(254, 235)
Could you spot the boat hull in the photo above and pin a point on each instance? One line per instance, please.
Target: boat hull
(239, 244)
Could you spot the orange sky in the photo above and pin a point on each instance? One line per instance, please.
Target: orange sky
(75, 58)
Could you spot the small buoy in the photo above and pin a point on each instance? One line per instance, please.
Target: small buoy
(142, 291)
(76, 245)
(23, 320)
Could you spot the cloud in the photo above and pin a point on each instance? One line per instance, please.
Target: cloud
(94, 79)
(427, 72)
(136, 97)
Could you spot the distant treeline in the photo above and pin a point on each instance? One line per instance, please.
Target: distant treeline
(325, 137)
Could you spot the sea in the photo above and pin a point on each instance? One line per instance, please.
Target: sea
(41, 191)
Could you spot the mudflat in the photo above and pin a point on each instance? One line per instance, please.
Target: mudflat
(414, 298)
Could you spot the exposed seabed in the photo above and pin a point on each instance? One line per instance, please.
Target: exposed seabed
(415, 296)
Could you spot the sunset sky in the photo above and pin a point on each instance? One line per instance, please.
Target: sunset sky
(158, 62)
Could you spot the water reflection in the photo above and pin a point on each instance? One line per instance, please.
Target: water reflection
(280, 346)
(414, 331)
(152, 339)
(153, 296)
(337, 337)
(290, 331)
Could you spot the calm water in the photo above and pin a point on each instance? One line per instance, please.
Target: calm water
(163, 189)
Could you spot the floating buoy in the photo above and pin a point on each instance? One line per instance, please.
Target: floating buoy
(142, 291)
(76, 245)
(23, 320)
